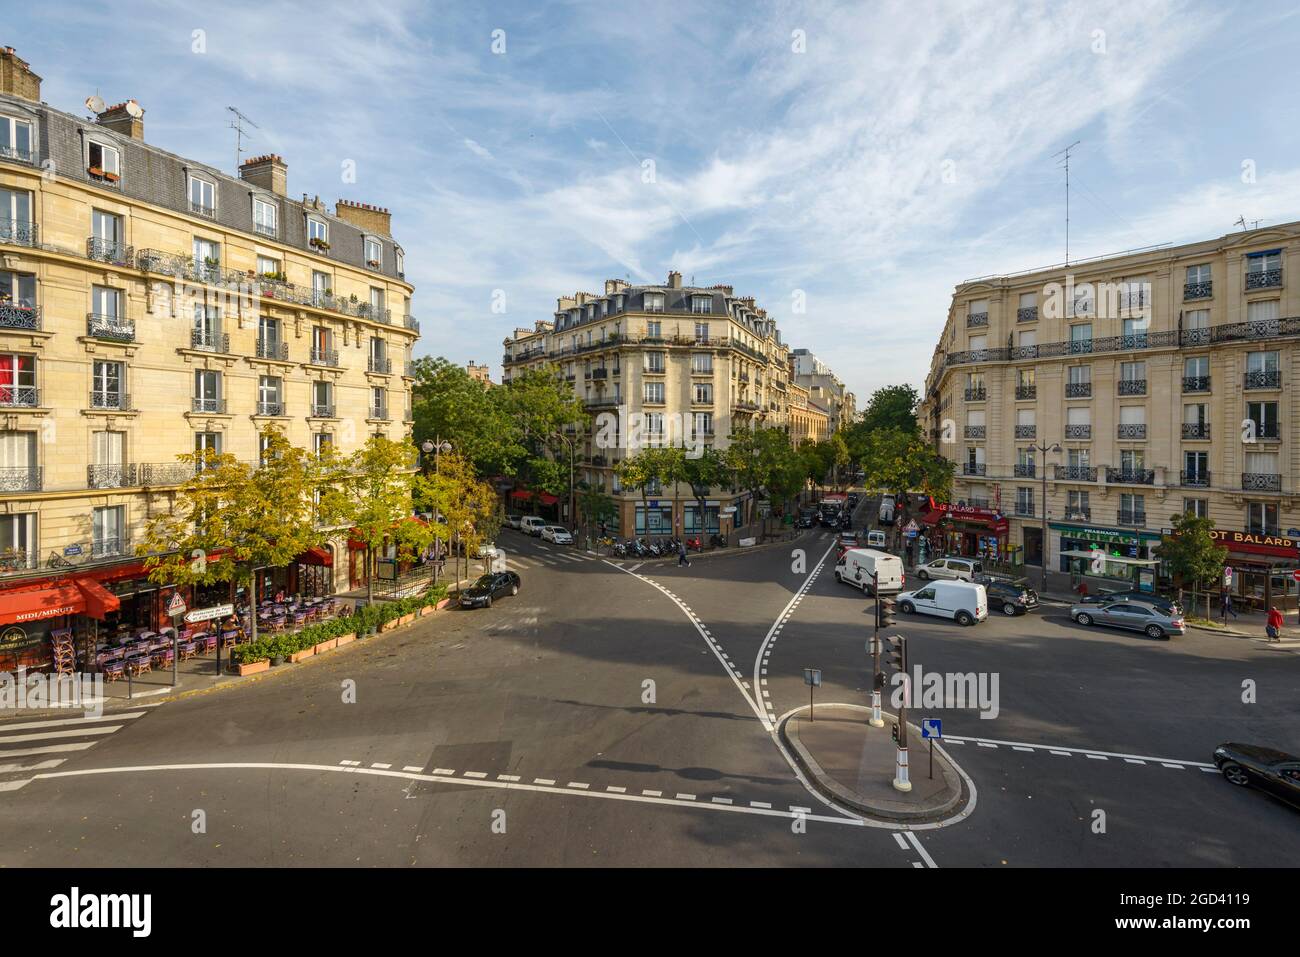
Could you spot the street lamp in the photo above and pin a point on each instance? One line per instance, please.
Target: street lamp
(437, 447)
(1043, 450)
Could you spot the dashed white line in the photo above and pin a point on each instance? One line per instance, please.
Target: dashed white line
(475, 774)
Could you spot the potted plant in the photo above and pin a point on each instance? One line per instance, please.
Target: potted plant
(95, 171)
(111, 177)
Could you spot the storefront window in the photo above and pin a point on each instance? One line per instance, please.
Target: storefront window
(661, 520)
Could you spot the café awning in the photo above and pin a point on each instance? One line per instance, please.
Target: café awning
(315, 556)
(523, 495)
(54, 599)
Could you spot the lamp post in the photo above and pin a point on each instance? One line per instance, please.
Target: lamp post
(1043, 450)
(437, 447)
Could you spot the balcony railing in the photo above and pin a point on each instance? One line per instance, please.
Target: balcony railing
(269, 407)
(976, 395)
(1263, 279)
(1132, 517)
(1131, 430)
(1027, 314)
(108, 547)
(19, 396)
(324, 357)
(411, 323)
(1267, 430)
(204, 210)
(1198, 290)
(210, 341)
(974, 468)
(975, 431)
(1196, 383)
(116, 328)
(17, 232)
(1078, 390)
(1263, 379)
(600, 373)
(322, 410)
(20, 478)
(1077, 514)
(1132, 386)
(1196, 430)
(379, 364)
(1025, 470)
(111, 476)
(977, 320)
(110, 399)
(1026, 431)
(1026, 392)
(1075, 473)
(1196, 479)
(1123, 476)
(1078, 431)
(17, 155)
(272, 349)
(209, 406)
(110, 251)
(155, 474)
(264, 229)
(18, 316)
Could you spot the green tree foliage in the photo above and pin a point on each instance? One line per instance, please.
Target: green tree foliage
(1195, 559)
(891, 409)
(900, 462)
(468, 504)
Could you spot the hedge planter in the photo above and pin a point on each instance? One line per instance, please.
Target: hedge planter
(390, 625)
(406, 619)
(298, 656)
(324, 646)
(345, 639)
(254, 667)
(442, 604)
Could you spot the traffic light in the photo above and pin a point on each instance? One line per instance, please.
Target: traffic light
(895, 734)
(886, 612)
(896, 653)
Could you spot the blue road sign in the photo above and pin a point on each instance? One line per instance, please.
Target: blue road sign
(931, 728)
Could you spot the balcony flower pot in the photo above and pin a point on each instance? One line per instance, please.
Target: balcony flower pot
(94, 171)
(373, 263)
(111, 177)
(253, 667)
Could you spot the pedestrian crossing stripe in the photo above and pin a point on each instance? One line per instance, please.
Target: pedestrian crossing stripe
(47, 742)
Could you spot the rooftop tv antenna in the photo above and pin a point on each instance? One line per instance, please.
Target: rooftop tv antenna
(237, 124)
(1066, 163)
(1241, 221)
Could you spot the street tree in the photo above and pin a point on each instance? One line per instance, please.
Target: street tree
(468, 504)
(902, 462)
(1195, 558)
(704, 473)
(651, 465)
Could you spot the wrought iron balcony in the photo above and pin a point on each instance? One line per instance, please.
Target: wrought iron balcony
(600, 373)
(1078, 514)
(1132, 386)
(1133, 517)
(1075, 473)
(15, 315)
(155, 474)
(1078, 431)
(272, 349)
(1078, 390)
(1197, 479)
(17, 232)
(210, 341)
(1026, 392)
(974, 468)
(1026, 431)
(110, 546)
(1025, 470)
(1132, 430)
(976, 395)
(264, 229)
(975, 431)
(110, 251)
(1123, 476)
(1196, 430)
(202, 209)
(1196, 383)
(269, 407)
(1267, 430)
(1198, 290)
(19, 396)
(116, 328)
(977, 319)
(379, 412)
(209, 406)
(20, 478)
(1263, 279)
(409, 371)
(324, 357)
(18, 155)
(376, 313)
(322, 410)
(411, 323)
(111, 476)
(380, 364)
(974, 502)
(110, 399)
(1027, 314)
(1263, 379)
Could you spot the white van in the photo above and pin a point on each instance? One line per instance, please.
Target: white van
(532, 525)
(965, 602)
(886, 510)
(876, 539)
(857, 565)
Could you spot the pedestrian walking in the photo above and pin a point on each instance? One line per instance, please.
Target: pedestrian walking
(1274, 628)
(1082, 590)
(1227, 607)
(681, 555)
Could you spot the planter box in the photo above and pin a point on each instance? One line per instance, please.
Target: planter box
(442, 604)
(327, 645)
(298, 656)
(254, 667)
(344, 639)
(406, 619)
(390, 625)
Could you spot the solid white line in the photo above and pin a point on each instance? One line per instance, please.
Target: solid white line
(75, 733)
(1090, 752)
(929, 861)
(48, 749)
(39, 766)
(28, 725)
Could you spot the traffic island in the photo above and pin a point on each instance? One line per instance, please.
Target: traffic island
(852, 764)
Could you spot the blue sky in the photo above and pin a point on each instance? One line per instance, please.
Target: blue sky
(906, 148)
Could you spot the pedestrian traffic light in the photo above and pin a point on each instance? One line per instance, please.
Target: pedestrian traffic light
(886, 612)
(896, 653)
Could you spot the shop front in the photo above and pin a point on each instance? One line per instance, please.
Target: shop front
(1112, 557)
(969, 532)
(1262, 567)
(33, 614)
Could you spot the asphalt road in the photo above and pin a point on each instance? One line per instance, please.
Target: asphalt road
(621, 716)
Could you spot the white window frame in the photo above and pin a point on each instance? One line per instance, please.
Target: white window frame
(11, 124)
(190, 180)
(273, 226)
(105, 151)
(378, 247)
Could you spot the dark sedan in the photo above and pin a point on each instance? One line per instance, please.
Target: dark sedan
(1149, 598)
(807, 519)
(1010, 598)
(488, 587)
(1250, 765)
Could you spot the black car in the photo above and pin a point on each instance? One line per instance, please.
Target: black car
(1011, 598)
(1250, 765)
(807, 519)
(489, 586)
(1150, 598)
(853, 499)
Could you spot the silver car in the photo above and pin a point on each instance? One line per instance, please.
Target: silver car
(952, 569)
(1133, 615)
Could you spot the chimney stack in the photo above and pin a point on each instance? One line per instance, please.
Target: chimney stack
(119, 119)
(267, 172)
(16, 77)
(372, 219)
(674, 280)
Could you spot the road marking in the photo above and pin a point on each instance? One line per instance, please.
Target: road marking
(1087, 752)
(46, 735)
(577, 784)
(48, 749)
(39, 766)
(411, 767)
(28, 725)
(1064, 754)
(507, 777)
(900, 840)
(615, 790)
(1096, 757)
(721, 800)
(475, 774)
(653, 794)
(686, 797)
(350, 764)
(1133, 761)
(382, 767)
(446, 772)
(1170, 764)
(1021, 747)
(547, 781)
(759, 804)
(15, 785)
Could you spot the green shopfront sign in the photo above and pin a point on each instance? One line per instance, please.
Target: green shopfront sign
(1118, 536)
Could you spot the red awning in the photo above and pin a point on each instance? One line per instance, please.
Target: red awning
(315, 556)
(99, 600)
(48, 600)
(523, 495)
(997, 525)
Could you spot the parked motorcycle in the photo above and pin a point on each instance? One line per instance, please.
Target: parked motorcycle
(695, 544)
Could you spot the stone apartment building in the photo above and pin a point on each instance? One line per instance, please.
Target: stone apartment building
(1159, 381)
(824, 388)
(152, 305)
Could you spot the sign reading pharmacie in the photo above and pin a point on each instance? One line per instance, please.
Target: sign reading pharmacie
(1279, 545)
(1094, 534)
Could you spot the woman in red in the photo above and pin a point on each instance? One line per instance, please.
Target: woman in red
(1274, 624)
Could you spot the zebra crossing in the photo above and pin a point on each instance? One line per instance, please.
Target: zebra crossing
(549, 558)
(28, 748)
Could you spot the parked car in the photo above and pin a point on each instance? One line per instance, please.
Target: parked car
(557, 534)
(513, 519)
(876, 539)
(952, 569)
(964, 602)
(1271, 770)
(1135, 616)
(886, 510)
(1168, 606)
(532, 525)
(1011, 598)
(857, 565)
(853, 499)
(487, 587)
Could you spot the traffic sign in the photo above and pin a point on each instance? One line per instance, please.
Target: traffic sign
(1296, 574)
(1227, 576)
(176, 606)
(931, 728)
(207, 614)
(812, 677)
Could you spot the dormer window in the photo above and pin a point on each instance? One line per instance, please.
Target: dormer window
(16, 139)
(701, 303)
(399, 259)
(264, 217)
(203, 197)
(654, 302)
(374, 253)
(104, 163)
(318, 234)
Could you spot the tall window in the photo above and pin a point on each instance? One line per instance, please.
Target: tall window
(109, 530)
(322, 398)
(108, 450)
(654, 393)
(17, 379)
(207, 391)
(703, 393)
(106, 385)
(318, 232)
(701, 304)
(16, 139)
(264, 217)
(654, 362)
(105, 162)
(703, 423)
(1198, 274)
(374, 253)
(203, 196)
(17, 290)
(1077, 505)
(654, 302)
(701, 332)
(1261, 518)
(321, 286)
(1200, 507)
(702, 363)
(270, 392)
(207, 256)
(377, 302)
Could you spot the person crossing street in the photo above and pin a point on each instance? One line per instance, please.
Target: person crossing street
(681, 555)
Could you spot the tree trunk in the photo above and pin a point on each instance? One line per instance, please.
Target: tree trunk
(370, 575)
